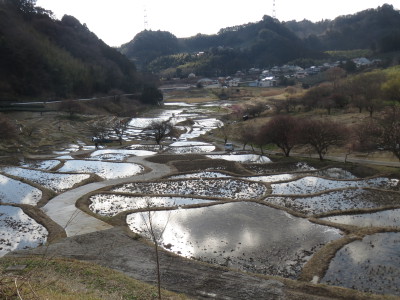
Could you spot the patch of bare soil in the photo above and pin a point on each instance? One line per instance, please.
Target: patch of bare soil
(167, 158)
(210, 164)
(196, 162)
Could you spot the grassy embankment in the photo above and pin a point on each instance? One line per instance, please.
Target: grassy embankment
(64, 279)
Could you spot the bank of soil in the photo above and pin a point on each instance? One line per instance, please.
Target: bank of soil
(121, 250)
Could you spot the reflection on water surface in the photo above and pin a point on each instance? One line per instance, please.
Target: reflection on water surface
(370, 265)
(247, 236)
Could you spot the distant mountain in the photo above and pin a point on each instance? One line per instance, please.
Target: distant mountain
(264, 44)
(41, 57)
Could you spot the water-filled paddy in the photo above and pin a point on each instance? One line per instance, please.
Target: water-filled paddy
(272, 178)
(184, 147)
(370, 265)
(205, 174)
(106, 170)
(14, 191)
(53, 181)
(336, 173)
(110, 205)
(338, 201)
(215, 188)
(278, 168)
(118, 154)
(40, 164)
(313, 185)
(239, 235)
(18, 231)
(377, 219)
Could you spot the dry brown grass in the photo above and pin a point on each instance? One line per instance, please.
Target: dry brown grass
(66, 279)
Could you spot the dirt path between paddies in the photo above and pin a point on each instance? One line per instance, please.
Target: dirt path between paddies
(62, 210)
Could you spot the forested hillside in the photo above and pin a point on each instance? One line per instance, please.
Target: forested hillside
(41, 57)
(264, 44)
(267, 42)
(376, 29)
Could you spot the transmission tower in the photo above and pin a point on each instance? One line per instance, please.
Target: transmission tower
(146, 23)
(273, 9)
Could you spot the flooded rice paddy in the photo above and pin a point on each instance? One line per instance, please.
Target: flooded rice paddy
(56, 182)
(218, 218)
(215, 188)
(342, 200)
(207, 174)
(184, 147)
(371, 265)
(118, 154)
(106, 170)
(385, 218)
(14, 191)
(110, 205)
(313, 185)
(239, 235)
(18, 231)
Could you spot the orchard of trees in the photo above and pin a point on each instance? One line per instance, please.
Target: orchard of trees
(297, 120)
(367, 91)
(319, 135)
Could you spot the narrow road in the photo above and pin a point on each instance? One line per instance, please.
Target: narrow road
(393, 163)
(62, 210)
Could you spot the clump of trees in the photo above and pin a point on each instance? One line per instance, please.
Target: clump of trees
(322, 134)
(368, 91)
(283, 131)
(380, 133)
(286, 132)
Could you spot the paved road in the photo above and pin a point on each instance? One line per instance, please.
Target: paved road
(62, 210)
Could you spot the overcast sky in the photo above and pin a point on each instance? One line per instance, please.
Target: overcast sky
(118, 21)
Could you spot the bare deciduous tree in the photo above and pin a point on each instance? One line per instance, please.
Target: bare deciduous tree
(366, 135)
(247, 135)
(120, 127)
(225, 131)
(334, 75)
(366, 92)
(321, 135)
(100, 129)
(390, 125)
(71, 106)
(283, 131)
(256, 109)
(315, 95)
(161, 129)
(155, 231)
